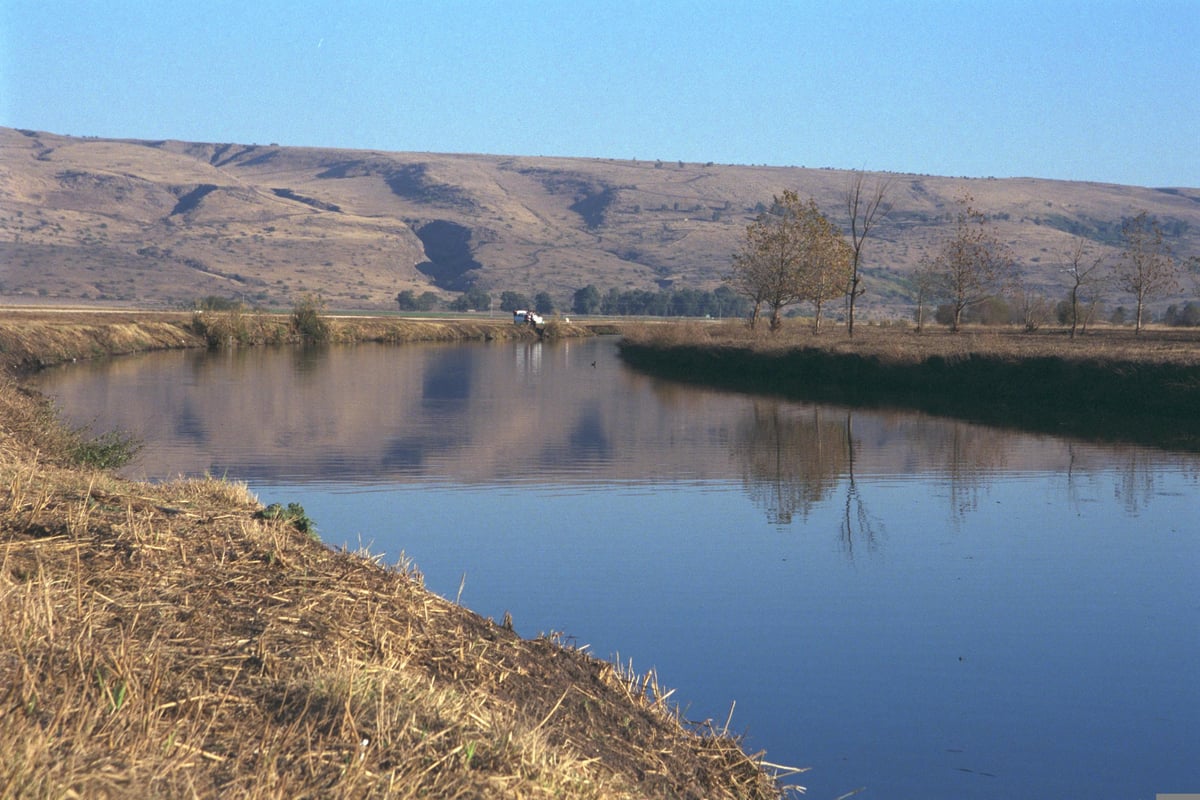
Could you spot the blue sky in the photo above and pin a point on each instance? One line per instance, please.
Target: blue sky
(1104, 91)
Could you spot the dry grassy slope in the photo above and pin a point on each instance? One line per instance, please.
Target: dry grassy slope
(163, 222)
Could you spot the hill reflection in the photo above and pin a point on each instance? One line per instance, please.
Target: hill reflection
(543, 413)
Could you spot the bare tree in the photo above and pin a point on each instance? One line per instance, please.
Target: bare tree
(927, 281)
(863, 210)
(973, 263)
(1146, 267)
(1084, 269)
(1033, 305)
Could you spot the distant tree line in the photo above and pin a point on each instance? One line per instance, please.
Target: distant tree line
(675, 302)
(683, 302)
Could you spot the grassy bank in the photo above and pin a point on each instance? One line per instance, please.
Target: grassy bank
(172, 640)
(1109, 384)
(31, 339)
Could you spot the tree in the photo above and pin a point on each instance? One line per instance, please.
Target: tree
(1084, 271)
(1146, 268)
(825, 262)
(1033, 307)
(408, 300)
(863, 211)
(586, 300)
(928, 284)
(474, 299)
(973, 263)
(543, 303)
(767, 269)
(513, 301)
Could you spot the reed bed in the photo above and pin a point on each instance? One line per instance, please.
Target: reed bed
(169, 641)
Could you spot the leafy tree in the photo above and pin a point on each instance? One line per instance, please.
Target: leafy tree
(825, 263)
(1146, 268)
(513, 301)
(407, 300)
(1188, 316)
(863, 211)
(543, 303)
(410, 301)
(586, 300)
(766, 270)
(474, 299)
(972, 263)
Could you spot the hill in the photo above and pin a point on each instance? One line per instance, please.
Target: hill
(159, 223)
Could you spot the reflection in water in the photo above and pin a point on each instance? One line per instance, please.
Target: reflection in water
(792, 457)
(857, 522)
(538, 412)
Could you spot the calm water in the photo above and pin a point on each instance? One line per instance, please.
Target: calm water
(918, 606)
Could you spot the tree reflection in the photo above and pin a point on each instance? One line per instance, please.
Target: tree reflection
(856, 521)
(791, 457)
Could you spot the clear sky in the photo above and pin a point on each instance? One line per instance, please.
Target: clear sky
(1106, 90)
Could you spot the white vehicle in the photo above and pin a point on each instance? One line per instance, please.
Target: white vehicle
(524, 317)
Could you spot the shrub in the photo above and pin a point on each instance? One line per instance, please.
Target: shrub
(221, 329)
(110, 450)
(294, 514)
(308, 322)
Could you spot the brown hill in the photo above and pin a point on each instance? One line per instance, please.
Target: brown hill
(164, 222)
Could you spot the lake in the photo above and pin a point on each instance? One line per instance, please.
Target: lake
(923, 607)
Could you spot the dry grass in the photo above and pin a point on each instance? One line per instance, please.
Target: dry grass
(167, 641)
(902, 344)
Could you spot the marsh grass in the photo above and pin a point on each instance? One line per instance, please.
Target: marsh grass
(171, 640)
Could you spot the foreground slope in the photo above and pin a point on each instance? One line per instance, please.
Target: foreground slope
(162, 222)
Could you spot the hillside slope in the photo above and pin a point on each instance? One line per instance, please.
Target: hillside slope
(165, 222)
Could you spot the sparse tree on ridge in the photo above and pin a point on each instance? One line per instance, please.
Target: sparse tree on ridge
(1146, 267)
(863, 211)
(972, 262)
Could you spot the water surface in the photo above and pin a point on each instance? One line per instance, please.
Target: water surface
(919, 606)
